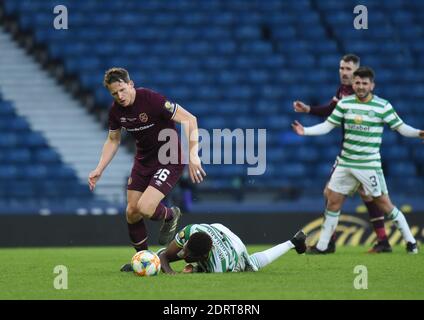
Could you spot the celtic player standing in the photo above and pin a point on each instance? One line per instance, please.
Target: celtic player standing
(359, 163)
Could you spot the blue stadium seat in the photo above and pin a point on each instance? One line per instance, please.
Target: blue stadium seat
(8, 139)
(17, 156)
(419, 155)
(46, 156)
(289, 170)
(307, 154)
(6, 108)
(396, 152)
(33, 172)
(8, 172)
(402, 169)
(234, 63)
(33, 140)
(19, 124)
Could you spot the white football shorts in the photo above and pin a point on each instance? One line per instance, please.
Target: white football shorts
(346, 181)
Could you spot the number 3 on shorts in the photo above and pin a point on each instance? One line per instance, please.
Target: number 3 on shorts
(162, 174)
(373, 181)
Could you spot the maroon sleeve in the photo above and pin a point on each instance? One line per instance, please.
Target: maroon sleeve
(164, 108)
(323, 111)
(113, 120)
(327, 110)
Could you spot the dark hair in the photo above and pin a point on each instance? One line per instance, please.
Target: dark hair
(116, 75)
(351, 57)
(199, 244)
(365, 72)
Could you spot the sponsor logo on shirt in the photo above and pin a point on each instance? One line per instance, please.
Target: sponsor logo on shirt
(181, 234)
(358, 119)
(358, 127)
(123, 119)
(143, 117)
(170, 106)
(140, 128)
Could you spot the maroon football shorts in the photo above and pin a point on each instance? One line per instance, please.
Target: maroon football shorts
(162, 178)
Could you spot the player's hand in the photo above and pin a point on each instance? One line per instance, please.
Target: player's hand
(298, 128)
(195, 169)
(421, 134)
(299, 106)
(188, 268)
(93, 177)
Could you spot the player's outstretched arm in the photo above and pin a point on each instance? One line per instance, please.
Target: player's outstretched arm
(169, 255)
(408, 131)
(317, 130)
(191, 131)
(319, 111)
(109, 150)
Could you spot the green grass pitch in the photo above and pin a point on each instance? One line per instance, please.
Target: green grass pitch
(93, 273)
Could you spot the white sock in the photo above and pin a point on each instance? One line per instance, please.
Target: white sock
(400, 221)
(263, 258)
(327, 229)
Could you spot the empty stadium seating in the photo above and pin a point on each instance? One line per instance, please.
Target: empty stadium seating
(29, 168)
(235, 64)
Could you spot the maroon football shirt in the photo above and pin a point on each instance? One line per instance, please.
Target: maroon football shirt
(144, 119)
(325, 111)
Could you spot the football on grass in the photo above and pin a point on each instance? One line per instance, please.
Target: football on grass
(145, 263)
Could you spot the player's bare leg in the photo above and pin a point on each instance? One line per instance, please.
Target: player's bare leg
(150, 207)
(398, 218)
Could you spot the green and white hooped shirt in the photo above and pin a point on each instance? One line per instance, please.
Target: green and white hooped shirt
(363, 130)
(223, 256)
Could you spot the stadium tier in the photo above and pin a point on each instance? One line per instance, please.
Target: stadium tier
(234, 64)
(31, 172)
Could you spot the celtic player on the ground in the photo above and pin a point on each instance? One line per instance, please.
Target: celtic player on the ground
(359, 163)
(214, 248)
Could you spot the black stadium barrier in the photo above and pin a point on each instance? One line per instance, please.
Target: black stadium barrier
(73, 230)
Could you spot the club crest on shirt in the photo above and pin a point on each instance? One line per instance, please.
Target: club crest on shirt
(358, 119)
(143, 117)
(170, 106)
(181, 234)
(129, 180)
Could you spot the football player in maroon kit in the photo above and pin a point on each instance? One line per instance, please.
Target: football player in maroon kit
(348, 64)
(145, 114)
